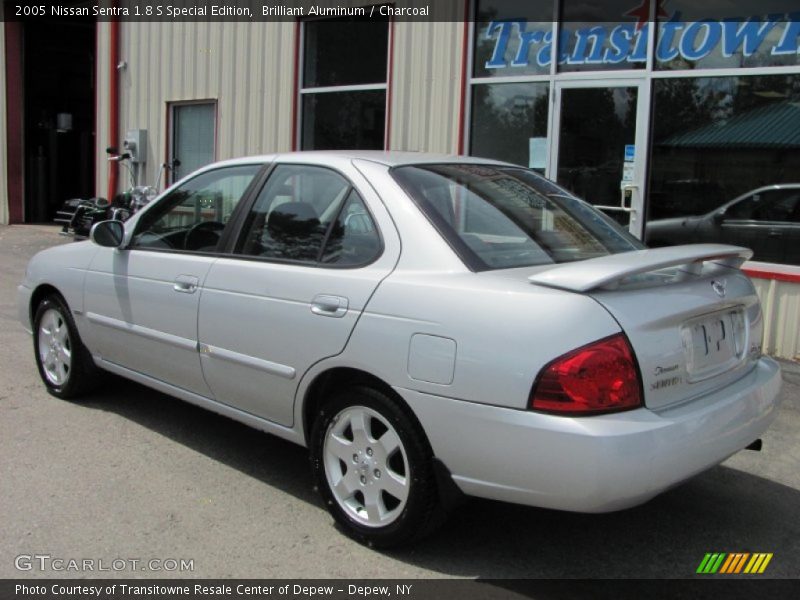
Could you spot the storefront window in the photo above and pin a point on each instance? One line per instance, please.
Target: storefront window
(512, 37)
(343, 91)
(720, 146)
(602, 35)
(509, 122)
(747, 33)
(344, 120)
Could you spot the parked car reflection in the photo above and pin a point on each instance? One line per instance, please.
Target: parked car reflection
(766, 220)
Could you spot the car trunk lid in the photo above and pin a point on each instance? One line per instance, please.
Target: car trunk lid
(692, 317)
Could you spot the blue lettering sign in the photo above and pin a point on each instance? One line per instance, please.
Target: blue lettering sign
(526, 38)
(700, 38)
(498, 60)
(640, 50)
(747, 35)
(626, 42)
(788, 43)
(545, 54)
(590, 36)
(665, 50)
(620, 45)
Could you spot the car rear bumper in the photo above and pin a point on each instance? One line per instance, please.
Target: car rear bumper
(594, 464)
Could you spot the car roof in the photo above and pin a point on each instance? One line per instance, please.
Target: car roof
(766, 188)
(388, 158)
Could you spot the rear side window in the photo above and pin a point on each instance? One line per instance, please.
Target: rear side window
(500, 218)
(310, 215)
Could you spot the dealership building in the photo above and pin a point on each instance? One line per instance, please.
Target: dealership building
(654, 110)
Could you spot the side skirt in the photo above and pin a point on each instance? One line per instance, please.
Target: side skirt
(264, 425)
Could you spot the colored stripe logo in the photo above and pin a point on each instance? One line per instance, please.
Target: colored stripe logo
(734, 563)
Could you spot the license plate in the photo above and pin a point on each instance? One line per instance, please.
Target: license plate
(713, 343)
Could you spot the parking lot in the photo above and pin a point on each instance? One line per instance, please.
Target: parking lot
(133, 475)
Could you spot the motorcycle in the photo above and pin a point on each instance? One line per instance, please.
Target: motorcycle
(78, 215)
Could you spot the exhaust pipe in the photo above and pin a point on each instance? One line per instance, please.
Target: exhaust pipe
(756, 446)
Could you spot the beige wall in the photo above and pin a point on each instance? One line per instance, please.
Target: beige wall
(3, 165)
(248, 68)
(780, 301)
(426, 87)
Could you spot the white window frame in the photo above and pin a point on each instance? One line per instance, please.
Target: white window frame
(171, 106)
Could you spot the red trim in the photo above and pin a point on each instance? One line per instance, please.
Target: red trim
(14, 122)
(95, 112)
(215, 102)
(776, 275)
(462, 111)
(388, 127)
(113, 101)
(168, 177)
(296, 84)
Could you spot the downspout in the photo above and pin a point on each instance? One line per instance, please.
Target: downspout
(113, 100)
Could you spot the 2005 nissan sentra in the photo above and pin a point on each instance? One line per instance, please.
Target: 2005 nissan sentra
(426, 325)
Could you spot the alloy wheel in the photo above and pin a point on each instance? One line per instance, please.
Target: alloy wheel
(366, 466)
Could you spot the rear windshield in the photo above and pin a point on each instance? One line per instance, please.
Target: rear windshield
(499, 217)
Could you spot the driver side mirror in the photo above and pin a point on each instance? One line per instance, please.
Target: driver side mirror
(108, 234)
(718, 217)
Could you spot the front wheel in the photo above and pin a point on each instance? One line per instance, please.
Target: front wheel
(64, 363)
(373, 467)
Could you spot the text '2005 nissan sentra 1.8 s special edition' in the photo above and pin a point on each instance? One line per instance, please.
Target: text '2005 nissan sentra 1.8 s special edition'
(426, 325)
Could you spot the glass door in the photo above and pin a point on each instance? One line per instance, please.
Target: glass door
(600, 146)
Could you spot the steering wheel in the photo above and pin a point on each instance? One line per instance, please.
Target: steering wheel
(203, 234)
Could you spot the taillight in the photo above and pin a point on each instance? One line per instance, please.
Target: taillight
(599, 378)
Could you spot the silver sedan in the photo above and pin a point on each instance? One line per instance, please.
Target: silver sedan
(428, 326)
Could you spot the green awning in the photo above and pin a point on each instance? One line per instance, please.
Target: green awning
(773, 126)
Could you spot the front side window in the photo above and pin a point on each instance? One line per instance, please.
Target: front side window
(310, 215)
(770, 205)
(193, 216)
(343, 89)
(504, 217)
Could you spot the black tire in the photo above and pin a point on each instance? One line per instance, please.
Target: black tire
(413, 518)
(82, 375)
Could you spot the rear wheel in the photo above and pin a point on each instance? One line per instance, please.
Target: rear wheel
(64, 363)
(373, 468)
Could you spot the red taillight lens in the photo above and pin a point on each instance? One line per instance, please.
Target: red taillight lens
(598, 378)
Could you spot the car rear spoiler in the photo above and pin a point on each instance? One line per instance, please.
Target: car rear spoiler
(608, 271)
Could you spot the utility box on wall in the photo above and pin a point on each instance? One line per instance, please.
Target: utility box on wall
(135, 144)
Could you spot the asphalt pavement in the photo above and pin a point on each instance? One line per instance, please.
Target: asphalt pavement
(130, 474)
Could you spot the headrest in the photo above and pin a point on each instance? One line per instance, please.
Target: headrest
(295, 218)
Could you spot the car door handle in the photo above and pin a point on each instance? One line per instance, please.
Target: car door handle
(326, 305)
(774, 233)
(186, 284)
